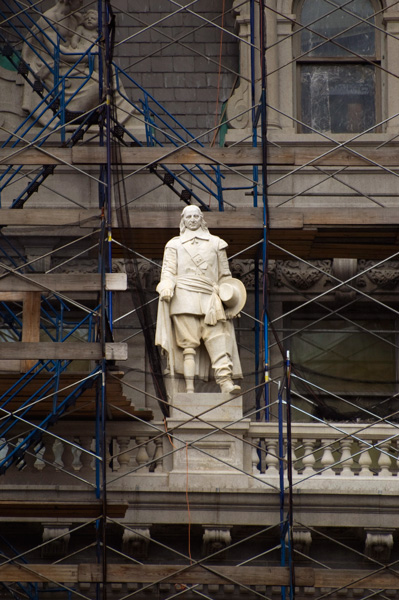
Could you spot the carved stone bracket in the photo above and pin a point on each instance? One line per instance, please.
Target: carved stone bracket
(379, 543)
(56, 539)
(385, 276)
(215, 539)
(135, 541)
(302, 539)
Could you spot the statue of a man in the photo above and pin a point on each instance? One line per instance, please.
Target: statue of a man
(198, 299)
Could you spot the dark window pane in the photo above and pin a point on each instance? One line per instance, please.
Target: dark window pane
(337, 98)
(344, 360)
(358, 37)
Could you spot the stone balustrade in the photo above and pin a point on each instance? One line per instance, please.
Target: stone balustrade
(344, 450)
(347, 450)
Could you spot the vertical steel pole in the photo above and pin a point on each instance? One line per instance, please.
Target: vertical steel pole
(262, 45)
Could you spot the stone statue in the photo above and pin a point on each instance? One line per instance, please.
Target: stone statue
(63, 53)
(198, 300)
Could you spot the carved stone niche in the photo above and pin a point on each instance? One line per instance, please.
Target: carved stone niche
(56, 536)
(135, 541)
(302, 539)
(215, 539)
(379, 543)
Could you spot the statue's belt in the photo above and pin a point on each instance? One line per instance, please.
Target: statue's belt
(204, 285)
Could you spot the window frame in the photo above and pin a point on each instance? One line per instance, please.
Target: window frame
(376, 61)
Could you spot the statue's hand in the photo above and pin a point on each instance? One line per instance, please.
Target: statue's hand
(166, 295)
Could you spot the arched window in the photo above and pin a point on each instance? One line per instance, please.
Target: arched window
(337, 56)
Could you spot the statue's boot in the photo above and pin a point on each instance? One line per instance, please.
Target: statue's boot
(189, 369)
(222, 364)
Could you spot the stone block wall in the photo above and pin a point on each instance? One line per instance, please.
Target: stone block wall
(183, 76)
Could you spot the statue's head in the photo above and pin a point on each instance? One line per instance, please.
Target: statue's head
(192, 218)
(90, 19)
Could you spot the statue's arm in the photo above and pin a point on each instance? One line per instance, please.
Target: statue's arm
(223, 263)
(166, 286)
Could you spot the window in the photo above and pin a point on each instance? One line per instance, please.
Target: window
(351, 355)
(337, 50)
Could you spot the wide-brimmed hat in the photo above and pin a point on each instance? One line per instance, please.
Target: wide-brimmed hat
(233, 294)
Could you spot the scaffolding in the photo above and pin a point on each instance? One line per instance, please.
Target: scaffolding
(318, 341)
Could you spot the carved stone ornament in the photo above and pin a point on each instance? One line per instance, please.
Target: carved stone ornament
(57, 537)
(302, 540)
(215, 539)
(385, 276)
(244, 270)
(379, 544)
(135, 541)
(301, 276)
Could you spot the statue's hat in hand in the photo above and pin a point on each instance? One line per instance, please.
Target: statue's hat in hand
(233, 294)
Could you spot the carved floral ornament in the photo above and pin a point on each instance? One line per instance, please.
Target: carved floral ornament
(295, 273)
(303, 276)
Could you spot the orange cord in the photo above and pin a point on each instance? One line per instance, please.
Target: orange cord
(167, 433)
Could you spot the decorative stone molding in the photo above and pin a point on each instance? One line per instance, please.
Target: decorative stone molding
(385, 276)
(302, 539)
(244, 270)
(379, 543)
(299, 275)
(135, 541)
(344, 269)
(76, 265)
(215, 539)
(56, 539)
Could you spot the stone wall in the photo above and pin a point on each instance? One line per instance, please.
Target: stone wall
(182, 76)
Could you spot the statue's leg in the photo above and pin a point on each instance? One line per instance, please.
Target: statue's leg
(221, 363)
(186, 328)
(189, 369)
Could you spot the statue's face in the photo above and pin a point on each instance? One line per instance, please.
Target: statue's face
(91, 19)
(192, 218)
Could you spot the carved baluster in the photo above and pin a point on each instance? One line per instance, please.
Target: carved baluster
(272, 457)
(67, 456)
(346, 457)
(142, 457)
(76, 456)
(295, 444)
(255, 456)
(39, 463)
(327, 459)
(158, 455)
(308, 458)
(85, 458)
(384, 460)
(365, 460)
(124, 452)
(58, 449)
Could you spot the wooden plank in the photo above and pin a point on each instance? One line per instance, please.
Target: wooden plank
(48, 155)
(61, 351)
(86, 510)
(62, 282)
(39, 573)
(30, 324)
(322, 154)
(386, 156)
(50, 217)
(215, 574)
(242, 219)
(356, 578)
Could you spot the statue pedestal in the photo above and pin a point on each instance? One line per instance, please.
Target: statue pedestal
(207, 432)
